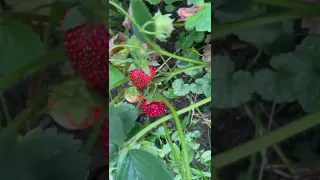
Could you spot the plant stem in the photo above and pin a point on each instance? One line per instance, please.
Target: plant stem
(298, 6)
(164, 119)
(257, 121)
(221, 30)
(172, 74)
(255, 59)
(181, 136)
(173, 151)
(5, 108)
(29, 113)
(120, 95)
(266, 140)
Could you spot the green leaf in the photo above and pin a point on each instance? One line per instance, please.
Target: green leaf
(190, 152)
(191, 2)
(142, 165)
(56, 10)
(122, 119)
(127, 114)
(154, 2)
(204, 84)
(116, 131)
(141, 15)
(19, 45)
(279, 87)
(266, 35)
(280, 82)
(169, 8)
(179, 88)
(73, 18)
(42, 154)
(114, 75)
(231, 89)
(191, 54)
(306, 73)
(169, 94)
(196, 88)
(201, 20)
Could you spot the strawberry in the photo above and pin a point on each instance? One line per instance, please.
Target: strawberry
(67, 121)
(153, 109)
(139, 78)
(87, 47)
(104, 136)
(132, 99)
(132, 95)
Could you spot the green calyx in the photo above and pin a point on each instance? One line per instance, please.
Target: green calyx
(164, 26)
(153, 97)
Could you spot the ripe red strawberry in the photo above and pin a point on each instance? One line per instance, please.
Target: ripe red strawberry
(68, 122)
(153, 109)
(104, 136)
(87, 47)
(140, 79)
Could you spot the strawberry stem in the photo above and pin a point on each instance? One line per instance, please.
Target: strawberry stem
(181, 136)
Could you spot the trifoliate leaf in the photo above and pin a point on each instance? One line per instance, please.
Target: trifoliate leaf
(204, 84)
(196, 88)
(278, 89)
(231, 89)
(191, 54)
(164, 26)
(201, 20)
(280, 82)
(179, 88)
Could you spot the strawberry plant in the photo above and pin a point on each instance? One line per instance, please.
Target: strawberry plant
(53, 76)
(266, 75)
(148, 80)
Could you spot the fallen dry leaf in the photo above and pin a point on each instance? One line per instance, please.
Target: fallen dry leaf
(184, 13)
(207, 55)
(312, 23)
(120, 38)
